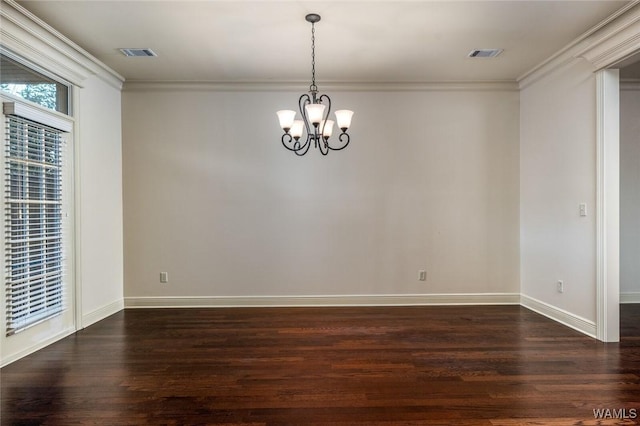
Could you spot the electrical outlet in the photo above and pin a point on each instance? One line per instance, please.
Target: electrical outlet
(560, 286)
(422, 275)
(164, 277)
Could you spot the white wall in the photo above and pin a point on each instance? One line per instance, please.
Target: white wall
(630, 195)
(557, 173)
(430, 181)
(100, 196)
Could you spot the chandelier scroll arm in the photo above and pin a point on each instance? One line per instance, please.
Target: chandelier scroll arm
(302, 149)
(327, 103)
(323, 145)
(305, 100)
(294, 145)
(343, 136)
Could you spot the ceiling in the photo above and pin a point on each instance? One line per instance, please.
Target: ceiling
(356, 41)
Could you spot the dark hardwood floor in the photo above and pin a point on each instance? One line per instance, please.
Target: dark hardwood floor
(463, 365)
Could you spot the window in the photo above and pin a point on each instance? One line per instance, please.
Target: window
(21, 80)
(33, 222)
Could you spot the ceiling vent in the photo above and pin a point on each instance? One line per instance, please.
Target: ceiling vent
(485, 53)
(144, 53)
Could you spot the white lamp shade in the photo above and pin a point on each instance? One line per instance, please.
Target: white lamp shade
(286, 118)
(343, 117)
(296, 129)
(315, 112)
(327, 128)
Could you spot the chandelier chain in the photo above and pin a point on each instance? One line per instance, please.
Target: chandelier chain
(313, 87)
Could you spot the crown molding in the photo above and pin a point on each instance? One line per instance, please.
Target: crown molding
(548, 67)
(270, 86)
(30, 37)
(574, 51)
(615, 43)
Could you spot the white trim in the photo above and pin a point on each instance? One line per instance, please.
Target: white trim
(615, 43)
(576, 322)
(36, 347)
(48, 118)
(560, 57)
(102, 312)
(558, 62)
(631, 297)
(328, 300)
(77, 210)
(66, 123)
(600, 211)
(30, 37)
(618, 29)
(607, 205)
(258, 86)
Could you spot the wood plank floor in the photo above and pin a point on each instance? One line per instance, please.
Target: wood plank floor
(464, 365)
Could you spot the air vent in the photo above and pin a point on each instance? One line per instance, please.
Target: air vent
(484, 53)
(145, 53)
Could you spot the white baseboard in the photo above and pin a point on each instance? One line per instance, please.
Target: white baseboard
(560, 315)
(630, 297)
(330, 300)
(36, 347)
(102, 312)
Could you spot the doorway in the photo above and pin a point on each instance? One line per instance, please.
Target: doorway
(629, 194)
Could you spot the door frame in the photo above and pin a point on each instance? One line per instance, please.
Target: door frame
(608, 205)
(606, 50)
(39, 335)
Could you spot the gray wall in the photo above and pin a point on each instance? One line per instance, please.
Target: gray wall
(430, 181)
(630, 194)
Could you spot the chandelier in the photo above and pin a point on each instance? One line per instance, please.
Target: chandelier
(314, 109)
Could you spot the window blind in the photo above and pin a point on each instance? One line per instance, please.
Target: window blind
(33, 223)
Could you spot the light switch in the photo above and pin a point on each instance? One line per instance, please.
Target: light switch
(583, 209)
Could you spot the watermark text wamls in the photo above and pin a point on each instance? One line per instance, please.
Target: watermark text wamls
(612, 413)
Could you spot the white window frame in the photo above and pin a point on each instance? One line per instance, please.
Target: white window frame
(68, 98)
(48, 331)
(35, 247)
